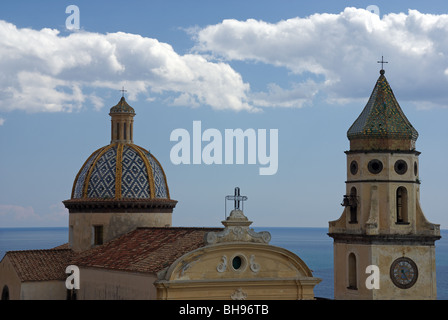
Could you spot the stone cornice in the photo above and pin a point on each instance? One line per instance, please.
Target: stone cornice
(119, 205)
(385, 239)
(415, 152)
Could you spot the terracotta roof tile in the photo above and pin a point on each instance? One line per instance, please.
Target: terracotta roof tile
(144, 249)
(63, 246)
(41, 265)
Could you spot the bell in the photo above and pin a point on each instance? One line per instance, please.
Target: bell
(345, 201)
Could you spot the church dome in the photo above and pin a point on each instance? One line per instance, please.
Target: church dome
(120, 187)
(121, 171)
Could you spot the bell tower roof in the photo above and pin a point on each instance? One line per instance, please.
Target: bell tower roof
(382, 121)
(122, 107)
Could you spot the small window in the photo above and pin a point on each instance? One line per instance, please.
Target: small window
(352, 277)
(5, 293)
(237, 262)
(97, 235)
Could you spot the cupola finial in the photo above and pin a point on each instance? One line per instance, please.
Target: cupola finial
(382, 64)
(123, 91)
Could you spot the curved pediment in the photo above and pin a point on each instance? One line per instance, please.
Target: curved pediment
(237, 261)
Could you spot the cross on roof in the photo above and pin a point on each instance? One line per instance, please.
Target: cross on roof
(382, 62)
(237, 198)
(123, 91)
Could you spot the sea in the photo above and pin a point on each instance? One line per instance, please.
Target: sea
(312, 245)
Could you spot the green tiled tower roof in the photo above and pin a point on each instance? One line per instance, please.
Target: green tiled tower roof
(122, 107)
(382, 117)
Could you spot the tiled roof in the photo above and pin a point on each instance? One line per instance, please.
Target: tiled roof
(121, 171)
(63, 246)
(41, 265)
(382, 117)
(145, 250)
(122, 106)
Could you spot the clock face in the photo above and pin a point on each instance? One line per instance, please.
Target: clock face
(403, 273)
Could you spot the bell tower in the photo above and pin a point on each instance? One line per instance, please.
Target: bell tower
(384, 247)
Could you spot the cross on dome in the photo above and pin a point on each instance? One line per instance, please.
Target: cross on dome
(123, 91)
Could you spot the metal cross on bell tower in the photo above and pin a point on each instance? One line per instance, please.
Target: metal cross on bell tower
(237, 198)
(382, 64)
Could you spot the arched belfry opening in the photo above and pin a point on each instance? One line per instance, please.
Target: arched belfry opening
(350, 201)
(353, 206)
(352, 274)
(402, 205)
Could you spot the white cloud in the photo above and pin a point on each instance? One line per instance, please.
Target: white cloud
(296, 97)
(44, 71)
(342, 49)
(56, 214)
(330, 55)
(13, 215)
(17, 213)
(2, 121)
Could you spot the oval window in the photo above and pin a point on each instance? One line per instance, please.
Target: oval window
(375, 166)
(401, 167)
(237, 262)
(354, 167)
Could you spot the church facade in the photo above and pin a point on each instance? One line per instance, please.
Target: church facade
(384, 247)
(122, 241)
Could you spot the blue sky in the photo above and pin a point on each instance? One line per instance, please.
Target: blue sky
(305, 69)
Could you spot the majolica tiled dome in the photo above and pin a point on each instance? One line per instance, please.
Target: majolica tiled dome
(121, 171)
(122, 107)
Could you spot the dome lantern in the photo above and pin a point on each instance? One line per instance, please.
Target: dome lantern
(122, 121)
